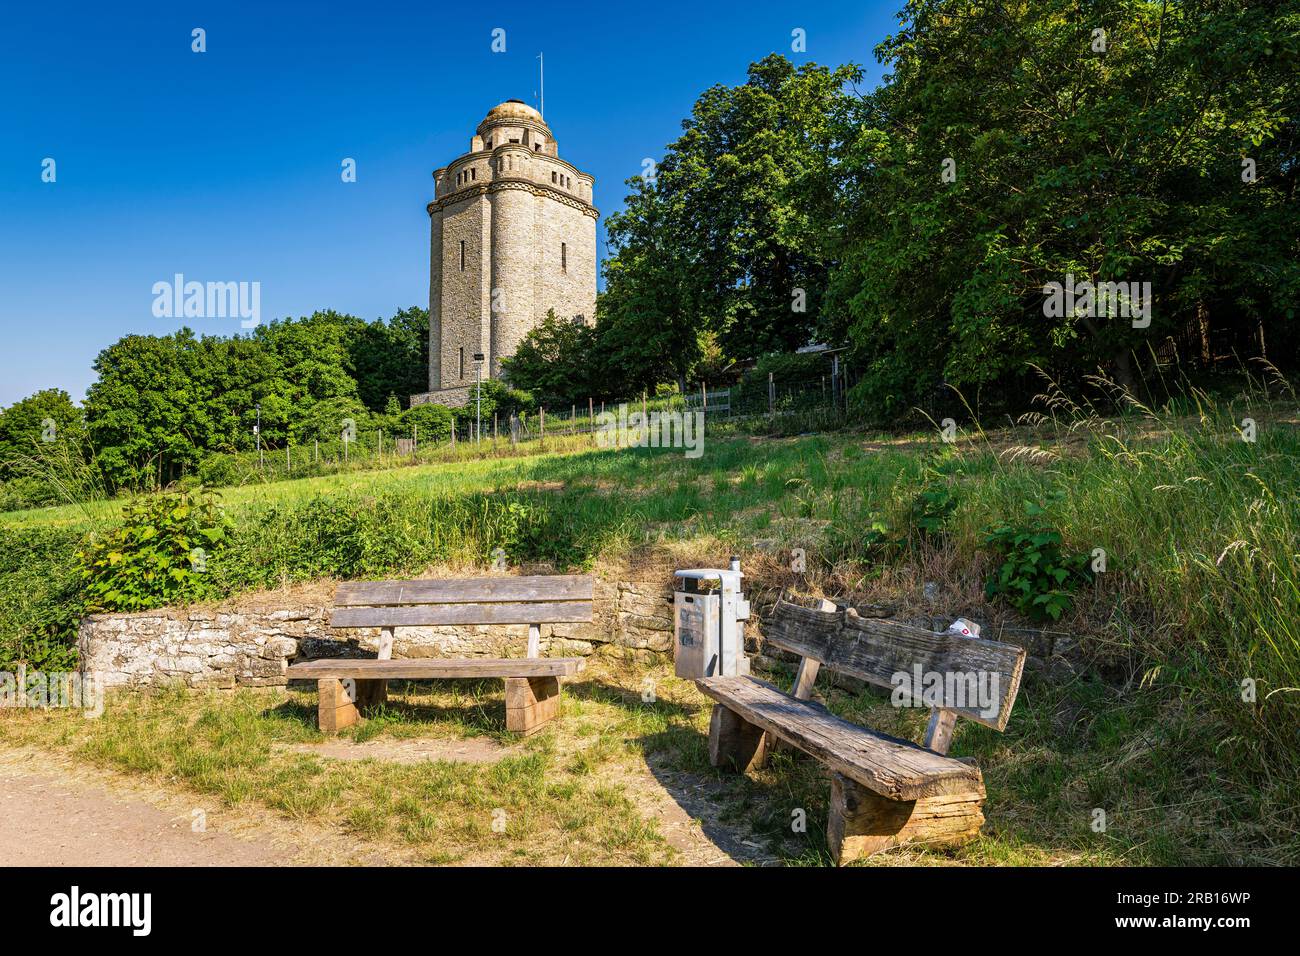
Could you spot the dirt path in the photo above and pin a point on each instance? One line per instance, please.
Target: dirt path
(677, 802)
(57, 813)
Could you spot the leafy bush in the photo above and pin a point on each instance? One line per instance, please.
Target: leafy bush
(220, 468)
(326, 421)
(158, 555)
(535, 530)
(428, 422)
(1035, 576)
(497, 399)
(27, 491)
(930, 511)
(876, 533)
(42, 597)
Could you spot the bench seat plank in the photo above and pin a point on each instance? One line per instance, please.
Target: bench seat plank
(893, 768)
(514, 588)
(418, 668)
(531, 612)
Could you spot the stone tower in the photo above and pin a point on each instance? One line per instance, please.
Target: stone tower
(512, 234)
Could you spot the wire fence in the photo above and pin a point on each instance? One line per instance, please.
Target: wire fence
(781, 404)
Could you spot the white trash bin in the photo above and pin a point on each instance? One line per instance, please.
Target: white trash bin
(709, 612)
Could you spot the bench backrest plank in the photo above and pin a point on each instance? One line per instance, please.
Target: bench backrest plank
(532, 612)
(875, 650)
(524, 599)
(536, 587)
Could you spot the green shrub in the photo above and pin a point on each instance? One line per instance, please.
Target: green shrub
(929, 513)
(1035, 576)
(497, 399)
(28, 491)
(42, 598)
(157, 555)
(431, 423)
(220, 468)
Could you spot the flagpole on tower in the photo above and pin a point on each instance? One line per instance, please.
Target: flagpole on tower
(541, 73)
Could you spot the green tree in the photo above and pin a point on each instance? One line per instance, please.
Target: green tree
(1013, 144)
(143, 414)
(558, 362)
(391, 357)
(33, 422)
(733, 234)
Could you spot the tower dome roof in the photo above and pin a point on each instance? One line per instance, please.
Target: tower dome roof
(513, 113)
(514, 109)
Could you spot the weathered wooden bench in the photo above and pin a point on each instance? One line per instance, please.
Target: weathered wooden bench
(350, 687)
(885, 791)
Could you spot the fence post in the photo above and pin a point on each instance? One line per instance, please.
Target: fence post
(835, 381)
(415, 436)
(288, 465)
(704, 396)
(771, 396)
(591, 415)
(542, 419)
(315, 453)
(494, 428)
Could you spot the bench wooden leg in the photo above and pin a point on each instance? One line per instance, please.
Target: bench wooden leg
(341, 702)
(734, 743)
(531, 702)
(863, 822)
(337, 708)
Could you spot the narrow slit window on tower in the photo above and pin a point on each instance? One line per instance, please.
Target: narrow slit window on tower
(473, 173)
(462, 255)
(554, 176)
(564, 257)
(462, 362)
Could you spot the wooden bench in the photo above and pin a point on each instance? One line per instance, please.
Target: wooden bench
(350, 687)
(885, 791)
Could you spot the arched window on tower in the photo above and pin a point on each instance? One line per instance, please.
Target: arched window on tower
(462, 255)
(564, 257)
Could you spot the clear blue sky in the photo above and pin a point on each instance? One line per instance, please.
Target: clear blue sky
(225, 165)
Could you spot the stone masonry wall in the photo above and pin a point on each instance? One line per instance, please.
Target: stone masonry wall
(228, 647)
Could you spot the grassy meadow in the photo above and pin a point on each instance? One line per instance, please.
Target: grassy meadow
(1171, 704)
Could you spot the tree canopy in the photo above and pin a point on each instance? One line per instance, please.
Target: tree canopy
(161, 403)
(1011, 145)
